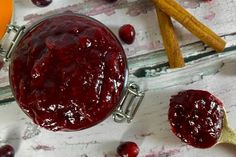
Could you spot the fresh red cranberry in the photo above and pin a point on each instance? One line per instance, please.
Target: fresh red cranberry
(111, 1)
(1, 64)
(41, 3)
(127, 33)
(68, 72)
(128, 149)
(196, 117)
(7, 151)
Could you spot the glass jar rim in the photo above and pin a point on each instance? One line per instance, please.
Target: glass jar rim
(125, 82)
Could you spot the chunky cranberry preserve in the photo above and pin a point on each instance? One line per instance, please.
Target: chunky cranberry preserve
(196, 117)
(68, 72)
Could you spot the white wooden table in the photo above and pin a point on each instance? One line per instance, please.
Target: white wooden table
(147, 63)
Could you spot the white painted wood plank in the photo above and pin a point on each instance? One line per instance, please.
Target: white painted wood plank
(218, 15)
(150, 128)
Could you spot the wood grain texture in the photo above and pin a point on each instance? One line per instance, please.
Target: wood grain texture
(150, 128)
(141, 14)
(172, 49)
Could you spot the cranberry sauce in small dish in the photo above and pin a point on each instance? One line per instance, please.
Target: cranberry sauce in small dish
(69, 72)
(196, 117)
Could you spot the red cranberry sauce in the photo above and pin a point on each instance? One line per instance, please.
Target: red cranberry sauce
(196, 117)
(68, 72)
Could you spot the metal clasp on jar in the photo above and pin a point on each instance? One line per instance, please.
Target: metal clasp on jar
(129, 104)
(7, 47)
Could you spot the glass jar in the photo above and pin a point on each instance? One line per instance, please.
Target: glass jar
(69, 72)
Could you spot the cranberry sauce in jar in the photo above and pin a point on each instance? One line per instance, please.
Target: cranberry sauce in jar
(196, 117)
(68, 72)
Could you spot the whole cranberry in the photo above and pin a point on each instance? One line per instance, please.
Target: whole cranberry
(127, 33)
(128, 149)
(7, 151)
(1, 64)
(111, 1)
(41, 3)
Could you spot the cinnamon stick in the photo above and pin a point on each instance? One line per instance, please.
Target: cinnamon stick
(173, 9)
(169, 40)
